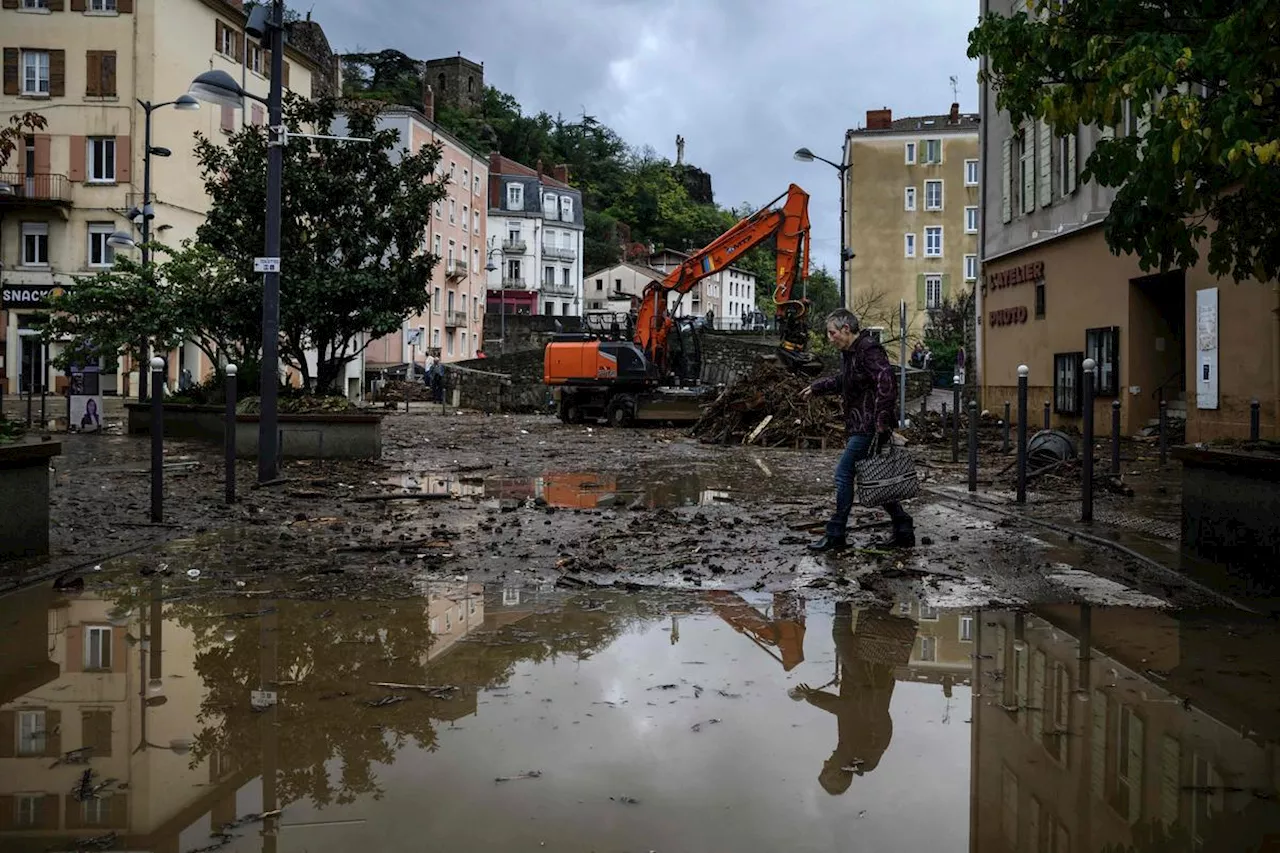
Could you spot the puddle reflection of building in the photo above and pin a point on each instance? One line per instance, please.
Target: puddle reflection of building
(1103, 726)
(594, 489)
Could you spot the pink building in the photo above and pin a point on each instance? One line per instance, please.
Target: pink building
(452, 326)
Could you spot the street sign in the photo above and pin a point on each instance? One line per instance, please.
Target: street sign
(260, 699)
(266, 265)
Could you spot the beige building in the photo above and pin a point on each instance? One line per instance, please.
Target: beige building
(612, 289)
(84, 65)
(912, 214)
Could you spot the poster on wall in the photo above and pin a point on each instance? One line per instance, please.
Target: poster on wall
(86, 399)
(1206, 365)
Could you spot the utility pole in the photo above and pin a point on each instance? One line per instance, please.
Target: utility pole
(270, 379)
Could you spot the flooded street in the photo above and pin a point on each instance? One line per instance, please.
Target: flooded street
(157, 714)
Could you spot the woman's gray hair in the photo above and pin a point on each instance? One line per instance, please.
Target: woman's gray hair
(844, 317)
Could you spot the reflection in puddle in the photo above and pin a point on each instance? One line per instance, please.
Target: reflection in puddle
(573, 489)
(620, 721)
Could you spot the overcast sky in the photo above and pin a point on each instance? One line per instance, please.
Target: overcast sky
(746, 82)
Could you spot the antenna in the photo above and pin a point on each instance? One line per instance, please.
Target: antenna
(955, 89)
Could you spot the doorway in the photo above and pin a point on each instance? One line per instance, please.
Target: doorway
(1157, 344)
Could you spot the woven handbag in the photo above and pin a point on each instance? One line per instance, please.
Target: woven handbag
(885, 477)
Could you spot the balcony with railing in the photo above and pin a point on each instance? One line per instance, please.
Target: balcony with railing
(456, 268)
(454, 319)
(551, 288)
(559, 253)
(17, 188)
(514, 247)
(511, 282)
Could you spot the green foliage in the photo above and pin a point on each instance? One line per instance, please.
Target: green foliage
(351, 239)
(945, 334)
(1205, 163)
(10, 430)
(20, 125)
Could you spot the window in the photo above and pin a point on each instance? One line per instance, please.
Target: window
(933, 241)
(1040, 299)
(971, 220)
(100, 73)
(933, 291)
(36, 4)
(970, 267)
(100, 252)
(599, 284)
(102, 159)
(1066, 382)
(928, 649)
(452, 249)
(475, 185)
(1103, 346)
(96, 729)
(933, 195)
(449, 307)
(435, 344)
(970, 173)
(466, 214)
(566, 209)
(35, 72)
(97, 647)
(564, 277)
(549, 308)
(35, 244)
(1067, 163)
(1027, 169)
(909, 198)
(31, 733)
(435, 300)
(966, 629)
(909, 245)
(513, 270)
(515, 197)
(435, 245)
(453, 170)
(475, 261)
(475, 222)
(453, 212)
(933, 151)
(255, 58)
(549, 206)
(466, 177)
(440, 210)
(928, 613)
(102, 5)
(548, 275)
(910, 153)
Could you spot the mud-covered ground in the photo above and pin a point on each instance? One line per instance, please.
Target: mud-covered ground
(526, 497)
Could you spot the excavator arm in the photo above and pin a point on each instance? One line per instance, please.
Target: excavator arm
(790, 225)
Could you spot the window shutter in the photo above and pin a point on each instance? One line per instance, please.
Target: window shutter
(228, 122)
(922, 298)
(9, 4)
(44, 163)
(237, 43)
(57, 73)
(57, 6)
(266, 64)
(11, 55)
(77, 5)
(1006, 180)
(8, 731)
(52, 733)
(109, 73)
(124, 161)
(284, 76)
(1137, 753)
(93, 73)
(217, 35)
(49, 804)
(1045, 172)
(1071, 176)
(946, 285)
(76, 173)
(124, 7)
(1028, 167)
(922, 151)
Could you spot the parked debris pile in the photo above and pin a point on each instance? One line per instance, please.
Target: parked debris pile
(394, 391)
(764, 408)
(930, 428)
(1065, 475)
(300, 404)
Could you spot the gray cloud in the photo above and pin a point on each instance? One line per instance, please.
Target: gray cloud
(746, 82)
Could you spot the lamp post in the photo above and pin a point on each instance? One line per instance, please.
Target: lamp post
(490, 266)
(804, 155)
(124, 240)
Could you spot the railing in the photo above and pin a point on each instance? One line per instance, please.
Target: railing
(559, 289)
(453, 319)
(1159, 392)
(514, 283)
(514, 247)
(457, 268)
(54, 188)
(559, 252)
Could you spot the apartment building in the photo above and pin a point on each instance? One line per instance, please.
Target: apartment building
(729, 292)
(457, 232)
(1054, 295)
(912, 210)
(84, 65)
(613, 288)
(536, 247)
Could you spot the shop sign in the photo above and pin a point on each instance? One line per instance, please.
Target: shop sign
(1008, 316)
(28, 295)
(1021, 274)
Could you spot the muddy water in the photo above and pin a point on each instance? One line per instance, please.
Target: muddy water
(483, 717)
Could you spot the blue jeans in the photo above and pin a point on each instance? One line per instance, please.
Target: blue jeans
(855, 450)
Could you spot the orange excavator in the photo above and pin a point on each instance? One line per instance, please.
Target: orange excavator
(647, 365)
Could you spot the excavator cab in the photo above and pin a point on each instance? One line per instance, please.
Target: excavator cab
(793, 344)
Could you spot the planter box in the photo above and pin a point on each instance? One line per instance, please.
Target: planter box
(317, 436)
(24, 498)
(1231, 508)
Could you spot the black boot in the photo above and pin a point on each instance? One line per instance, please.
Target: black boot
(828, 543)
(903, 535)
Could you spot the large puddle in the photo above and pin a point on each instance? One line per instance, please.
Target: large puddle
(490, 717)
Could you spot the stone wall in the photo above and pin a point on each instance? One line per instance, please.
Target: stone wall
(524, 331)
(504, 383)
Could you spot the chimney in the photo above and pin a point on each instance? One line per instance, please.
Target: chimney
(495, 163)
(429, 103)
(560, 173)
(955, 113)
(879, 119)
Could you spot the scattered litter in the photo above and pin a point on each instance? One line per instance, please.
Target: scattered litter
(441, 691)
(697, 727)
(386, 700)
(626, 801)
(528, 774)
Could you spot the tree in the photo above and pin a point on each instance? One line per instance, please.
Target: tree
(20, 125)
(947, 332)
(353, 255)
(1201, 160)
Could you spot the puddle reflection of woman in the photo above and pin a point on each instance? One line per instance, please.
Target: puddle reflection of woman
(864, 727)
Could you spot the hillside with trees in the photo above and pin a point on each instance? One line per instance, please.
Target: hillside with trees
(633, 198)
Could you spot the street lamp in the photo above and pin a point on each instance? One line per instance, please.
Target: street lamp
(502, 294)
(804, 155)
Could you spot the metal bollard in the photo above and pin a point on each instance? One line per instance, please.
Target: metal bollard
(1004, 443)
(973, 445)
(1115, 438)
(1086, 463)
(1255, 421)
(944, 415)
(1047, 415)
(229, 434)
(157, 439)
(1164, 431)
(955, 418)
(1023, 414)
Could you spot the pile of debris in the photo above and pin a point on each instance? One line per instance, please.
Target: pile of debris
(394, 391)
(764, 408)
(930, 428)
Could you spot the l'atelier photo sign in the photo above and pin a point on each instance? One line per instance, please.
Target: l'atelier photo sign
(1021, 274)
(1008, 316)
